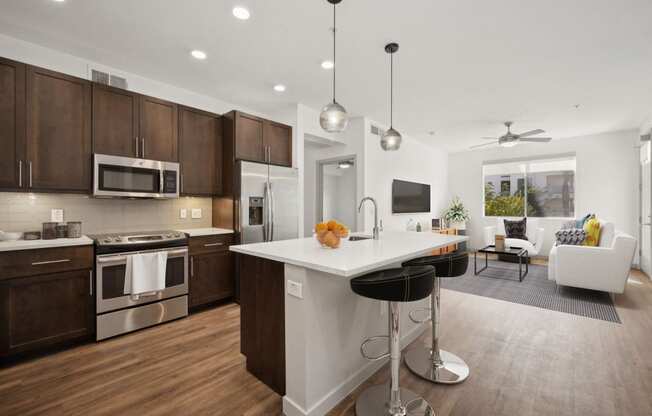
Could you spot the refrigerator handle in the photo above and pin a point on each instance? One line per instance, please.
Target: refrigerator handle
(271, 213)
(265, 212)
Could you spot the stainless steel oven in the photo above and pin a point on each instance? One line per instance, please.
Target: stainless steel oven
(126, 177)
(117, 312)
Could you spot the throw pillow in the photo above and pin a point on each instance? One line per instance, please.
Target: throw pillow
(573, 237)
(592, 227)
(580, 222)
(516, 229)
(569, 225)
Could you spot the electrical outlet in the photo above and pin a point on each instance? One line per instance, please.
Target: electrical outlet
(196, 213)
(56, 215)
(295, 289)
(183, 213)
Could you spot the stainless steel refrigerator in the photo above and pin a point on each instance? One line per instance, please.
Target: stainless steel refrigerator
(268, 202)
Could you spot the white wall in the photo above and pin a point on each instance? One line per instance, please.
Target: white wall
(415, 162)
(606, 180)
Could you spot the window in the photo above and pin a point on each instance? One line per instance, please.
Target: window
(550, 190)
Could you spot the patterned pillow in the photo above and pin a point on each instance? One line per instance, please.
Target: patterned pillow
(569, 225)
(516, 229)
(573, 237)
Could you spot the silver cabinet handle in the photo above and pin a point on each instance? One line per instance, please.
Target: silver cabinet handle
(181, 184)
(40, 263)
(90, 281)
(161, 182)
(142, 139)
(20, 173)
(136, 146)
(213, 244)
(192, 266)
(30, 173)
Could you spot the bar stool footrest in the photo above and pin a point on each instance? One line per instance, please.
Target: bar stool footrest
(413, 315)
(373, 339)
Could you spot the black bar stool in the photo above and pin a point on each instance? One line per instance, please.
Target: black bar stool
(406, 284)
(433, 363)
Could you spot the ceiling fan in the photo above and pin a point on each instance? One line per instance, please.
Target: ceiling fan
(510, 139)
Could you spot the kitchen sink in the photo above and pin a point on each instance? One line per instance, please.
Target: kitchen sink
(358, 238)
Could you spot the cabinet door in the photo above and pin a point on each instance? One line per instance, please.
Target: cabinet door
(200, 152)
(45, 310)
(211, 277)
(278, 138)
(58, 132)
(115, 121)
(12, 123)
(158, 129)
(249, 138)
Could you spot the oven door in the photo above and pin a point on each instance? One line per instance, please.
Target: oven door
(115, 176)
(110, 279)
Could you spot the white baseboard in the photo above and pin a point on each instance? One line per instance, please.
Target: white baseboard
(335, 396)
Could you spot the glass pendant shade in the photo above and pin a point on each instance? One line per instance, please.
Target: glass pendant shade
(333, 118)
(391, 140)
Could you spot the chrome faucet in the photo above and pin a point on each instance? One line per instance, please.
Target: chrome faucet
(376, 232)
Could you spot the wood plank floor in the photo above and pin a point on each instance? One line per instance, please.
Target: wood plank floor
(524, 361)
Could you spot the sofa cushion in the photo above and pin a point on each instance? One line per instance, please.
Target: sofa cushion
(592, 228)
(516, 229)
(572, 237)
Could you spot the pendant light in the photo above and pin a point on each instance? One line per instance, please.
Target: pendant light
(333, 117)
(391, 139)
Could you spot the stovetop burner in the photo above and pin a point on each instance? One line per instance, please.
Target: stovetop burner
(140, 240)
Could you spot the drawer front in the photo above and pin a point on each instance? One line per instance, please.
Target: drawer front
(210, 243)
(43, 261)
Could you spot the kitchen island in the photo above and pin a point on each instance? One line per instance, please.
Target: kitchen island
(302, 326)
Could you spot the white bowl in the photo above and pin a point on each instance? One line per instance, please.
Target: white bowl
(5, 236)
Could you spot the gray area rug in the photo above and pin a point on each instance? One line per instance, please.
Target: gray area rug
(500, 281)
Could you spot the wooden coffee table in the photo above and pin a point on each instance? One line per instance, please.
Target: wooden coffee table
(521, 253)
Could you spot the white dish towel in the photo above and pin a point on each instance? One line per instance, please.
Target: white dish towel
(145, 274)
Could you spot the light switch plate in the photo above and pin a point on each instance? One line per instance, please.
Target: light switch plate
(196, 213)
(56, 215)
(295, 289)
(183, 213)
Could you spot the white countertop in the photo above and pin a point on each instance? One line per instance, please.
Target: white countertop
(35, 244)
(199, 232)
(352, 257)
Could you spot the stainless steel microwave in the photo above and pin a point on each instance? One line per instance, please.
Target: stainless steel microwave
(126, 177)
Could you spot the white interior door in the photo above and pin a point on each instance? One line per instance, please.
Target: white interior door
(646, 203)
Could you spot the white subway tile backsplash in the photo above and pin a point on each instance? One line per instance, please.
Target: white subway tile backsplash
(27, 212)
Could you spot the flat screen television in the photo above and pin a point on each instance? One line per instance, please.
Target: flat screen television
(410, 197)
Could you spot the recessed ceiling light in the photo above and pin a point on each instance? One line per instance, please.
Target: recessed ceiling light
(197, 54)
(241, 13)
(279, 88)
(327, 64)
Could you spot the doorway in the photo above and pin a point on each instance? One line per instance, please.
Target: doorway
(646, 205)
(336, 191)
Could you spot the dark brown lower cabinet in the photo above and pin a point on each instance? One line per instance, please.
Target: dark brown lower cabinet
(262, 319)
(212, 274)
(45, 310)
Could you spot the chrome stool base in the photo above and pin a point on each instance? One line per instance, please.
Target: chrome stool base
(451, 369)
(374, 402)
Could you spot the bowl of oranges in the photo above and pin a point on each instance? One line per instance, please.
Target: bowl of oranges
(330, 233)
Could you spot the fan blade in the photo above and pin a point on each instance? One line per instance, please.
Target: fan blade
(536, 139)
(482, 145)
(531, 133)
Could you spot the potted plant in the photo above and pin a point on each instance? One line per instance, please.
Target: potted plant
(456, 214)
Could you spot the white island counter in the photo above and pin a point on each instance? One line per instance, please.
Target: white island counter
(325, 322)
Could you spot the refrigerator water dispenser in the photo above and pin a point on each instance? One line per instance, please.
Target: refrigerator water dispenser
(255, 210)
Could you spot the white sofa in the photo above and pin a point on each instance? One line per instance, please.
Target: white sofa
(534, 235)
(605, 267)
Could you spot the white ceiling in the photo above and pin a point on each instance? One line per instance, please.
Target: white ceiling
(464, 66)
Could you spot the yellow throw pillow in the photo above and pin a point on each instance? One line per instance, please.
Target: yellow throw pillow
(592, 227)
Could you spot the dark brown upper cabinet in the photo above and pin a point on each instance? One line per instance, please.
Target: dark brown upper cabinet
(200, 152)
(158, 129)
(133, 125)
(115, 121)
(12, 124)
(277, 138)
(58, 132)
(258, 140)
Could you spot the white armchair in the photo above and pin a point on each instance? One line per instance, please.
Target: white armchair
(534, 234)
(604, 268)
